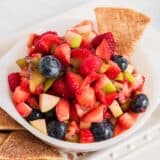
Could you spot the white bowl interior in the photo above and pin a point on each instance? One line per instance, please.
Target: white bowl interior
(143, 59)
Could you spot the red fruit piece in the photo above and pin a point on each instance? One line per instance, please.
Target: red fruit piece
(86, 136)
(85, 43)
(109, 98)
(107, 115)
(44, 44)
(59, 88)
(62, 110)
(86, 97)
(81, 53)
(126, 121)
(103, 50)
(14, 80)
(118, 130)
(95, 115)
(73, 82)
(90, 64)
(92, 77)
(33, 102)
(20, 95)
(108, 36)
(23, 109)
(48, 32)
(25, 84)
(39, 89)
(63, 53)
(113, 71)
(73, 113)
(80, 110)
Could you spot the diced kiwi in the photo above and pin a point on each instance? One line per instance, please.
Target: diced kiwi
(72, 137)
(109, 88)
(48, 83)
(75, 62)
(125, 106)
(76, 41)
(119, 77)
(129, 77)
(22, 62)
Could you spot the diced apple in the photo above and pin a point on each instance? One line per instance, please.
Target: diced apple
(115, 109)
(83, 29)
(103, 68)
(47, 102)
(73, 39)
(130, 68)
(84, 124)
(22, 63)
(39, 124)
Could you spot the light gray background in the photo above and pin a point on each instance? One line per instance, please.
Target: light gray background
(18, 14)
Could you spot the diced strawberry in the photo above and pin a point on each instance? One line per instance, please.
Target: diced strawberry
(20, 95)
(86, 136)
(108, 36)
(103, 50)
(33, 102)
(81, 53)
(39, 89)
(23, 109)
(62, 110)
(124, 93)
(63, 53)
(32, 38)
(110, 98)
(59, 88)
(92, 77)
(85, 43)
(94, 115)
(36, 56)
(107, 115)
(118, 130)
(73, 113)
(86, 97)
(113, 71)
(44, 44)
(90, 64)
(25, 84)
(49, 32)
(80, 110)
(138, 84)
(126, 121)
(14, 80)
(73, 81)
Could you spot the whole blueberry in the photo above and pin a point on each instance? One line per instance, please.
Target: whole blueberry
(140, 103)
(49, 66)
(121, 61)
(35, 114)
(56, 129)
(50, 115)
(102, 131)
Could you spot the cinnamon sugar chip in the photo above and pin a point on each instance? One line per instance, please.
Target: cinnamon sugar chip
(7, 123)
(126, 25)
(3, 137)
(21, 145)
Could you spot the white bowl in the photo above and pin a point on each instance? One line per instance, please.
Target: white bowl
(145, 59)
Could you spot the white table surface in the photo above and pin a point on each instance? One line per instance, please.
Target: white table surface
(18, 14)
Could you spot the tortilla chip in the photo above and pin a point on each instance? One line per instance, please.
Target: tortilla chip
(3, 137)
(126, 25)
(21, 145)
(7, 123)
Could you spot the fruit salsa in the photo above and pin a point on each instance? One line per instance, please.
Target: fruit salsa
(75, 87)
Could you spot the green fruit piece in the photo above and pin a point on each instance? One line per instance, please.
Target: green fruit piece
(103, 68)
(48, 83)
(53, 47)
(119, 77)
(22, 63)
(72, 137)
(75, 62)
(47, 102)
(40, 124)
(109, 88)
(35, 80)
(129, 77)
(76, 41)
